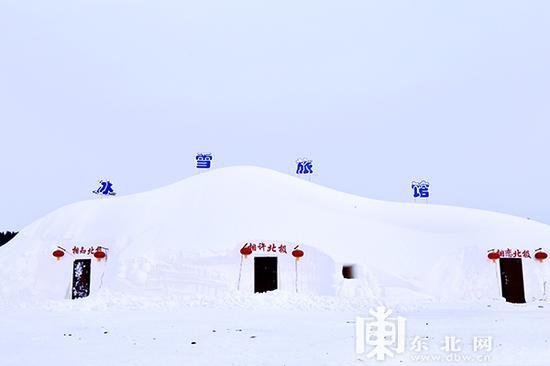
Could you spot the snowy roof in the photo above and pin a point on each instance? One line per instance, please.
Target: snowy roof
(214, 213)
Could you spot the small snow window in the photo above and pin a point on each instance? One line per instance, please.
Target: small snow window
(348, 271)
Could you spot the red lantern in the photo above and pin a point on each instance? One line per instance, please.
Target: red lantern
(541, 256)
(99, 254)
(58, 254)
(297, 253)
(246, 250)
(494, 256)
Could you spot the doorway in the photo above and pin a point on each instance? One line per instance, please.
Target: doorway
(265, 274)
(511, 277)
(81, 278)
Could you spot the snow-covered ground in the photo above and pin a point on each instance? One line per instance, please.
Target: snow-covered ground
(263, 329)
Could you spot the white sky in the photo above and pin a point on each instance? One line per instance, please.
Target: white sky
(376, 92)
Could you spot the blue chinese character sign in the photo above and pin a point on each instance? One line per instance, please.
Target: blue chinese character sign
(421, 189)
(105, 188)
(204, 160)
(304, 166)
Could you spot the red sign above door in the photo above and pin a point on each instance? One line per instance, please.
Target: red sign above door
(514, 253)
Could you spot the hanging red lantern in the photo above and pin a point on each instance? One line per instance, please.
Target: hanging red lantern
(99, 254)
(540, 255)
(58, 253)
(494, 256)
(246, 250)
(297, 253)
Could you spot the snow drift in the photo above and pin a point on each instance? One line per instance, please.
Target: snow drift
(185, 238)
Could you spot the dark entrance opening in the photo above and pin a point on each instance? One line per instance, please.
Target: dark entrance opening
(81, 278)
(265, 274)
(348, 272)
(511, 277)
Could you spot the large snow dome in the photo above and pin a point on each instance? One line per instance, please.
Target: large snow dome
(185, 238)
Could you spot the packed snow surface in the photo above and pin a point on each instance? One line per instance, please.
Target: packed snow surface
(258, 329)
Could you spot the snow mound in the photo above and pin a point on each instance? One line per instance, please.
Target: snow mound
(185, 239)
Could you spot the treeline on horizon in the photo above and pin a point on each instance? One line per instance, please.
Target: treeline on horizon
(6, 236)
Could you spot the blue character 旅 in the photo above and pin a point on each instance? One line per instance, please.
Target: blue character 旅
(304, 166)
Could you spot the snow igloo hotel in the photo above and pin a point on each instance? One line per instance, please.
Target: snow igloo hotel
(250, 229)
